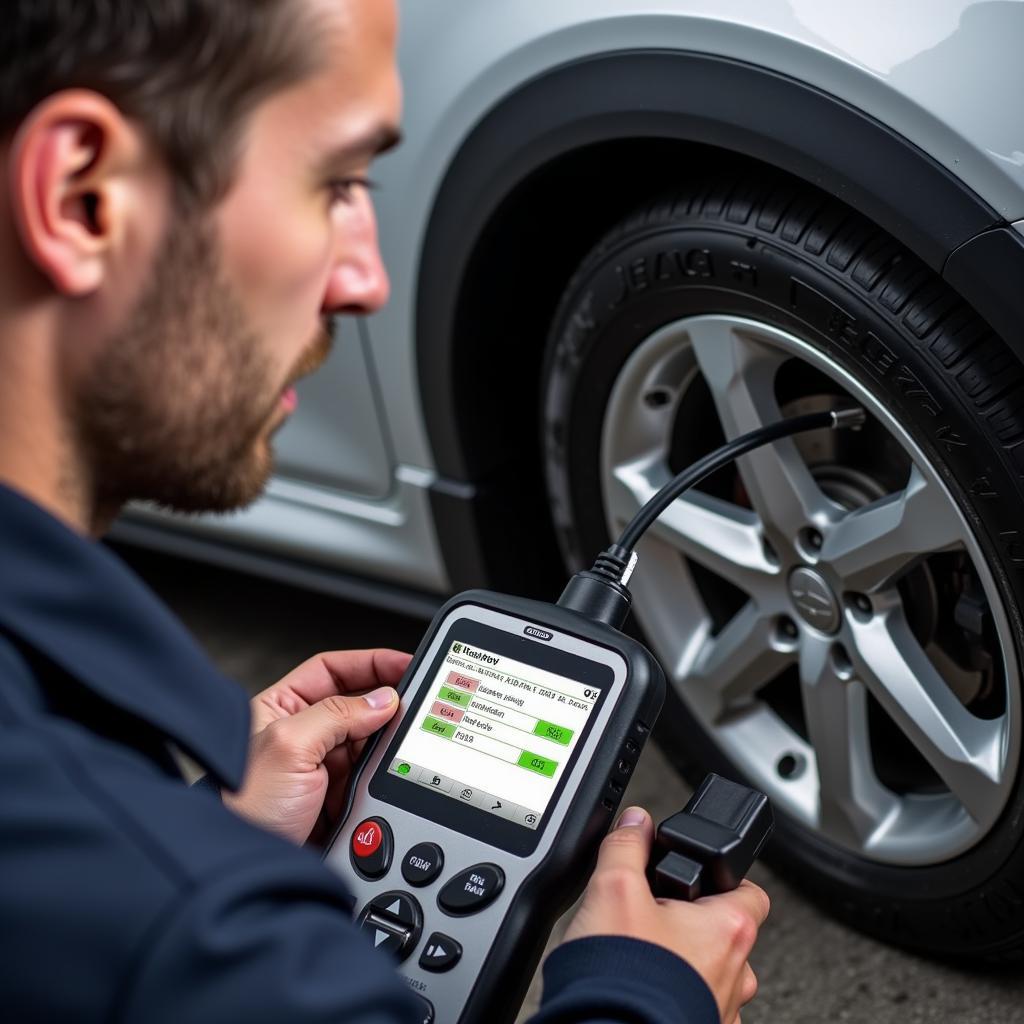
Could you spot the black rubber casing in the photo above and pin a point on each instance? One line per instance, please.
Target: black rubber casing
(559, 878)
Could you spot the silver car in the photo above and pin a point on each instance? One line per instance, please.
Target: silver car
(622, 232)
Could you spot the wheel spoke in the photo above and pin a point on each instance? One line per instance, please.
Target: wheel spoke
(741, 375)
(868, 547)
(964, 750)
(730, 667)
(852, 803)
(722, 537)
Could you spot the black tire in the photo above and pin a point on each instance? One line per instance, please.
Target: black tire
(767, 247)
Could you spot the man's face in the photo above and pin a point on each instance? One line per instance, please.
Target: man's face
(180, 405)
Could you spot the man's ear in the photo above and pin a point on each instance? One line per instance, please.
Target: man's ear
(74, 170)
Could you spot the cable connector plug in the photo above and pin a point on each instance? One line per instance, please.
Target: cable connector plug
(849, 418)
(600, 593)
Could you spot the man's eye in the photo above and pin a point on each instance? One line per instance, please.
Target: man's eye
(342, 188)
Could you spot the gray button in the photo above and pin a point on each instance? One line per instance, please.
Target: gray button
(435, 781)
(498, 805)
(527, 817)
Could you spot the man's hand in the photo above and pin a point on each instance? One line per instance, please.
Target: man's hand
(308, 731)
(713, 935)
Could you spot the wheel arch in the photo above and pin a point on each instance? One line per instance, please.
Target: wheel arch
(538, 181)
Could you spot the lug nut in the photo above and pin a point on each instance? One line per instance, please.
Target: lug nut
(787, 628)
(841, 664)
(658, 397)
(790, 766)
(812, 539)
(862, 603)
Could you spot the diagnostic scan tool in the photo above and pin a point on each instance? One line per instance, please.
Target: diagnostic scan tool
(475, 817)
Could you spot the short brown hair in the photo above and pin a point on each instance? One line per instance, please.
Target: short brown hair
(188, 71)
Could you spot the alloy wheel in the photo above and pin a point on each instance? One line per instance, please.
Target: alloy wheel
(802, 608)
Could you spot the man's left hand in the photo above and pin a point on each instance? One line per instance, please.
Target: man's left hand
(307, 732)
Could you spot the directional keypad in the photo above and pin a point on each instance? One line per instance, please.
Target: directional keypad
(393, 921)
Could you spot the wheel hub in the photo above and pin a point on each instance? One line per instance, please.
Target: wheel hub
(814, 601)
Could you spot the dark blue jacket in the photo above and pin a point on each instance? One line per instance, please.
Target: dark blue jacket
(127, 896)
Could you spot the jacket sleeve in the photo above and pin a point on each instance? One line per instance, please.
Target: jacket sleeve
(265, 942)
(612, 980)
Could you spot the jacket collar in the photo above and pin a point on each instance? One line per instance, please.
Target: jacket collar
(77, 604)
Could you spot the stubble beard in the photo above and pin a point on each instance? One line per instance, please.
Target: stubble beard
(179, 408)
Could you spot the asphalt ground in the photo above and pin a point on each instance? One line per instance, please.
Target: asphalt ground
(811, 969)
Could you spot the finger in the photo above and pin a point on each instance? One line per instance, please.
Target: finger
(628, 845)
(748, 898)
(748, 988)
(339, 764)
(362, 670)
(334, 672)
(304, 739)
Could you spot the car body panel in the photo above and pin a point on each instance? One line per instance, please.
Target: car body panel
(338, 438)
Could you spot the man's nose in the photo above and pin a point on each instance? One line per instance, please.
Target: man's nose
(358, 283)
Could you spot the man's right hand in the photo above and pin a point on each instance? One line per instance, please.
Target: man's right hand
(713, 935)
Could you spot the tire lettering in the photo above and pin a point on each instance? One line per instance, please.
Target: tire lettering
(812, 305)
(912, 388)
(982, 488)
(879, 356)
(638, 279)
(949, 439)
(1013, 546)
(666, 265)
(744, 273)
(697, 263)
(580, 326)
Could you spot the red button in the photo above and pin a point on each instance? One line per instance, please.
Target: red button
(367, 838)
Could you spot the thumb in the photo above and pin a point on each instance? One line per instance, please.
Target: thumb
(628, 845)
(311, 734)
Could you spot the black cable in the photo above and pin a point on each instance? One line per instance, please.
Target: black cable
(601, 592)
(693, 474)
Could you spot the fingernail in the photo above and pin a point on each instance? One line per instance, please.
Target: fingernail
(379, 699)
(631, 817)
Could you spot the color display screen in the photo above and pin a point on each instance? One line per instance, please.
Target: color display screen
(494, 733)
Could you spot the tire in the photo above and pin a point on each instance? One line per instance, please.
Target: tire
(885, 722)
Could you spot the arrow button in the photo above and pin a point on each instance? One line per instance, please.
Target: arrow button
(394, 922)
(442, 953)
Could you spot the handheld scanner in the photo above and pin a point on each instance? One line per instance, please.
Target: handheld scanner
(475, 820)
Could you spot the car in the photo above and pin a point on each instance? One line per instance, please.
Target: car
(621, 233)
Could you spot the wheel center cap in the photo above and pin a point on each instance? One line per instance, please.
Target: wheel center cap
(814, 600)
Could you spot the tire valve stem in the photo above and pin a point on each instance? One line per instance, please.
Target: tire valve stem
(852, 418)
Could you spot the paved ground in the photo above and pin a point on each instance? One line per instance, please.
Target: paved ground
(812, 970)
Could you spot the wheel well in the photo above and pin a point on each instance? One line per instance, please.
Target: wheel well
(517, 272)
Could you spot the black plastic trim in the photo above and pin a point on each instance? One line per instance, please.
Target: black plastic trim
(988, 271)
(680, 96)
(390, 597)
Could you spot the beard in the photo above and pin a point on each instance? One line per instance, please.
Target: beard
(180, 407)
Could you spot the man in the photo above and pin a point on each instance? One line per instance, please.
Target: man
(184, 206)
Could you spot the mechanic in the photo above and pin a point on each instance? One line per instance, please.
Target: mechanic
(184, 206)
